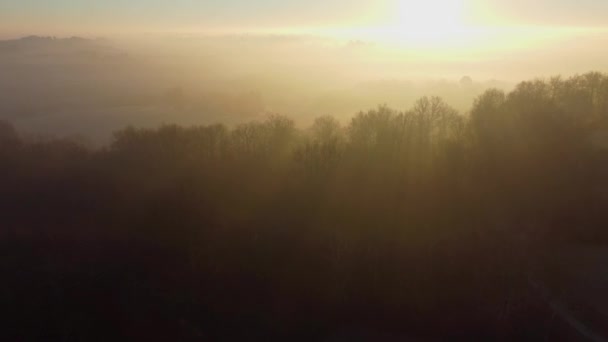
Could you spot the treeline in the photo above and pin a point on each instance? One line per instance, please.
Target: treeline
(419, 221)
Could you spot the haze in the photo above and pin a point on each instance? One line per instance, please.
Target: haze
(296, 58)
(320, 170)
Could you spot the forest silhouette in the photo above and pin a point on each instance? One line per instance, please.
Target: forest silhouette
(425, 222)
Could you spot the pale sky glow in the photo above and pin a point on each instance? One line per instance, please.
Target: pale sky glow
(107, 15)
(419, 23)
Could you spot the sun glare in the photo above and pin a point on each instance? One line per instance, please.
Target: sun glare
(429, 15)
(428, 22)
(437, 24)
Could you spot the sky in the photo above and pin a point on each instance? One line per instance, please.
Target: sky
(78, 17)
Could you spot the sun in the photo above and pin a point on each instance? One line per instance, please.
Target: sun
(426, 22)
(422, 25)
(429, 14)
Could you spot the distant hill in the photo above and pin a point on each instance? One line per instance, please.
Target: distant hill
(37, 48)
(92, 87)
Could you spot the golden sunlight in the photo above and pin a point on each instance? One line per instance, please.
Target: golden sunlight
(437, 24)
(430, 15)
(429, 22)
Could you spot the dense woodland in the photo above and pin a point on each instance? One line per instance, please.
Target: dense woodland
(422, 223)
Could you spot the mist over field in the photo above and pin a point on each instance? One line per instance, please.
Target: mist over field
(89, 88)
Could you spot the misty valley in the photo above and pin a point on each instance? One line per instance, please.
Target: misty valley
(319, 170)
(140, 203)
